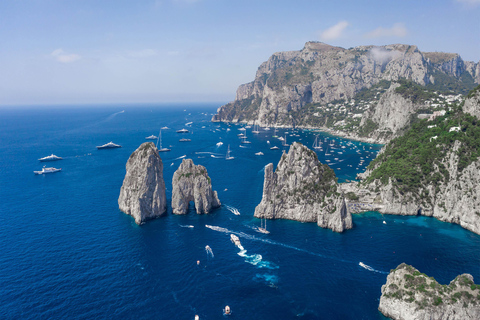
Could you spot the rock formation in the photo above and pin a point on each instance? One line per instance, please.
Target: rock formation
(303, 189)
(191, 183)
(143, 191)
(305, 88)
(472, 103)
(411, 295)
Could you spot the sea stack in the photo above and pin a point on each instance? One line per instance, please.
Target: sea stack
(409, 294)
(143, 191)
(303, 189)
(191, 183)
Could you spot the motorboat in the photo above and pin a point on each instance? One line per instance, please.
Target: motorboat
(109, 145)
(182, 131)
(235, 240)
(47, 170)
(259, 153)
(51, 157)
(219, 144)
(165, 128)
(185, 140)
(274, 148)
(152, 137)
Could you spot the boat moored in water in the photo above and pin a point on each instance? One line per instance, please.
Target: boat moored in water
(47, 170)
(152, 137)
(109, 145)
(51, 157)
(182, 131)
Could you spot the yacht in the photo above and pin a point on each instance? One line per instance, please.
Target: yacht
(274, 148)
(160, 139)
(109, 145)
(50, 158)
(259, 153)
(185, 140)
(219, 144)
(152, 137)
(165, 128)
(317, 144)
(182, 131)
(47, 170)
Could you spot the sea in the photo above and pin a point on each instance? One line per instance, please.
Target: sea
(68, 252)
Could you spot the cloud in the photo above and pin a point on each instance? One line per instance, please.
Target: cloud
(334, 32)
(397, 30)
(63, 57)
(470, 2)
(142, 53)
(382, 55)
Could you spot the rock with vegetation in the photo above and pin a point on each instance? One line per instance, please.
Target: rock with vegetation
(303, 189)
(340, 90)
(143, 191)
(411, 295)
(191, 183)
(432, 170)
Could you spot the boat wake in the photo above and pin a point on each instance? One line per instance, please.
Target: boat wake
(184, 156)
(233, 210)
(254, 259)
(367, 267)
(186, 226)
(110, 117)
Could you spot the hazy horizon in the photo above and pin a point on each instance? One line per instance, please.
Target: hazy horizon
(168, 51)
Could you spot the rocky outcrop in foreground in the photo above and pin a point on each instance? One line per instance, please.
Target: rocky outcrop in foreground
(191, 183)
(303, 189)
(143, 191)
(411, 295)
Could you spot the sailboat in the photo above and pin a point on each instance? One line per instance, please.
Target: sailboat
(275, 133)
(263, 226)
(244, 140)
(228, 156)
(255, 129)
(285, 141)
(317, 144)
(160, 139)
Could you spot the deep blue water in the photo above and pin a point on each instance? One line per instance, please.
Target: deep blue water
(68, 252)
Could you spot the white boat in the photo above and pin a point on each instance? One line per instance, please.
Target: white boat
(182, 131)
(165, 128)
(152, 137)
(228, 156)
(274, 148)
(47, 170)
(109, 145)
(285, 141)
(263, 227)
(235, 240)
(160, 139)
(259, 153)
(255, 129)
(244, 140)
(185, 140)
(51, 157)
(219, 144)
(281, 138)
(317, 144)
(242, 129)
(266, 128)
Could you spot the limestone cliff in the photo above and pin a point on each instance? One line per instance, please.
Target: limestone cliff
(433, 170)
(472, 103)
(143, 191)
(411, 295)
(322, 85)
(191, 183)
(303, 189)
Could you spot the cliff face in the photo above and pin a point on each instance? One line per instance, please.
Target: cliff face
(303, 189)
(411, 295)
(191, 183)
(143, 191)
(295, 88)
(472, 103)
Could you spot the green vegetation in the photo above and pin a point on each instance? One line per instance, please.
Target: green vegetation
(448, 83)
(416, 158)
(414, 92)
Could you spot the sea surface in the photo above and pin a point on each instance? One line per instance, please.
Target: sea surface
(67, 252)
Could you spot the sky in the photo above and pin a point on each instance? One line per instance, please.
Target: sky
(55, 52)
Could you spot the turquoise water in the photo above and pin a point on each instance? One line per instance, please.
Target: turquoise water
(68, 252)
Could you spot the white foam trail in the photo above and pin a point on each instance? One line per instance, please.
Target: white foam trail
(186, 226)
(209, 251)
(217, 154)
(113, 115)
(233, 210)
(188, 123)
(367, 267)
